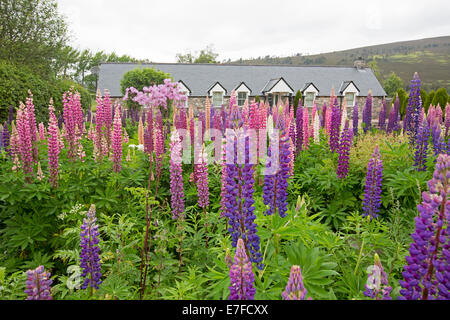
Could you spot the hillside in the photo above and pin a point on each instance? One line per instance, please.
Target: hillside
(430, 57)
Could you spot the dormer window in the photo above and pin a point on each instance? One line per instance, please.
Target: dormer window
(310, 93)
(217, 91)
(349, 91)
(241, 97)
(184, 90)
(217, 98)
(242, 92)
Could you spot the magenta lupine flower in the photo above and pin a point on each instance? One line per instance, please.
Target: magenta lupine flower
(69, 123)
(90, 260)
(427, 270)
(241, 275)
(159, 150)
(374, 177)
(306, 129)
(299, 126)
(107, 115)
(447, 119)
(295, 290)
(253, 115)
(335, 123)
(25, 141)
(78, 112)
(117, 141)
(41, 131)
(32, 124)
(201, 176)
(377, 286)
(344, 152)
(176, 176)
(99, 126)
(38, 284)
(53, 147)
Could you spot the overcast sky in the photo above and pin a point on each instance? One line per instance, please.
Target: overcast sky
(158, 30)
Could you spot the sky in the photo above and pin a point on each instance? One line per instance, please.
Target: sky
(158, 30)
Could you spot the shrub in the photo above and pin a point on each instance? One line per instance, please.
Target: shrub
(440, 98)
(15, 81)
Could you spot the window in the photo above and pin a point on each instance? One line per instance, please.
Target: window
(217, 98)
(350, 99)
(242, 96)
(309, 99)
(186, 105)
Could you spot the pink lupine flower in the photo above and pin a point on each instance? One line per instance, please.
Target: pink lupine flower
(98, 126)
(126, 138)
(53, 146)
(306, 129)
(41, 131)
(117, 141)
(201, 175)
(25, 142)
(32, 124)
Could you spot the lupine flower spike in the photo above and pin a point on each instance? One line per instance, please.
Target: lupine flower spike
(38, 284)
(377, 286)
(372, 194)
(295, 290)
(241, 275)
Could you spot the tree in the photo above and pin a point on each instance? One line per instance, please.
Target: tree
(441, 98)
(32, 32)
(430, 98)
(206, 55)
(376, 70)
(140, 78)
(392, 84)
(424, 97)
(403, 98)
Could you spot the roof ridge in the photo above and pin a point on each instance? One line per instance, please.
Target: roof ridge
(234, 65)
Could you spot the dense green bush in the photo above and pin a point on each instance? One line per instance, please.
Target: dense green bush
(441, 98)
(15, 81)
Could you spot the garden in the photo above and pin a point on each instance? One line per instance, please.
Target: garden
(144, 199)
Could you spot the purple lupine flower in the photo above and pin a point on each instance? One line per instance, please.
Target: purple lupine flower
(241, 275)
(5, 138)
(344, 152)
(355, 119)
(427, 270)
(90, 260)
(324, 115)
(275, 184)
(382, 117)
(367, 113)
(393, 124)
(420, 156)
(377, 286)
(295, 290)
(447, 119)
(437, 140)
(239, 203)
(38, 284)
(299, 126)
(335, 124)
(201, 178)
(10, 115)
(148, 140)
(176, 176)
(414, 108)
(372, 194)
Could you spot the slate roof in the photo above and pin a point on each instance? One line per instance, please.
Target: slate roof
(200, 77)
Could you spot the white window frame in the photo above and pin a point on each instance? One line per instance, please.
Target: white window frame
(245, 98)
(351, 89)
(221, 98)
(310, 90)
(313, 98)
(353, 99)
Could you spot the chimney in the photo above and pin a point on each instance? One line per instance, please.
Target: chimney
(360, 63)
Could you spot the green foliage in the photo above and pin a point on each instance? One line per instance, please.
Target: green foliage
(33, 33)
(15, 81)
(424, 97)
(392, 84)
(297, 100)
(429, 100)
(441, 98)
(206, 55)
(403, 97)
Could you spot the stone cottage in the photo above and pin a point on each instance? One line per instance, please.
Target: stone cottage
(271, 83)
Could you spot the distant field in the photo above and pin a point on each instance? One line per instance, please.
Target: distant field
(430, 57)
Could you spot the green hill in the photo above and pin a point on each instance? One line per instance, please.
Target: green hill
(430, 57)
